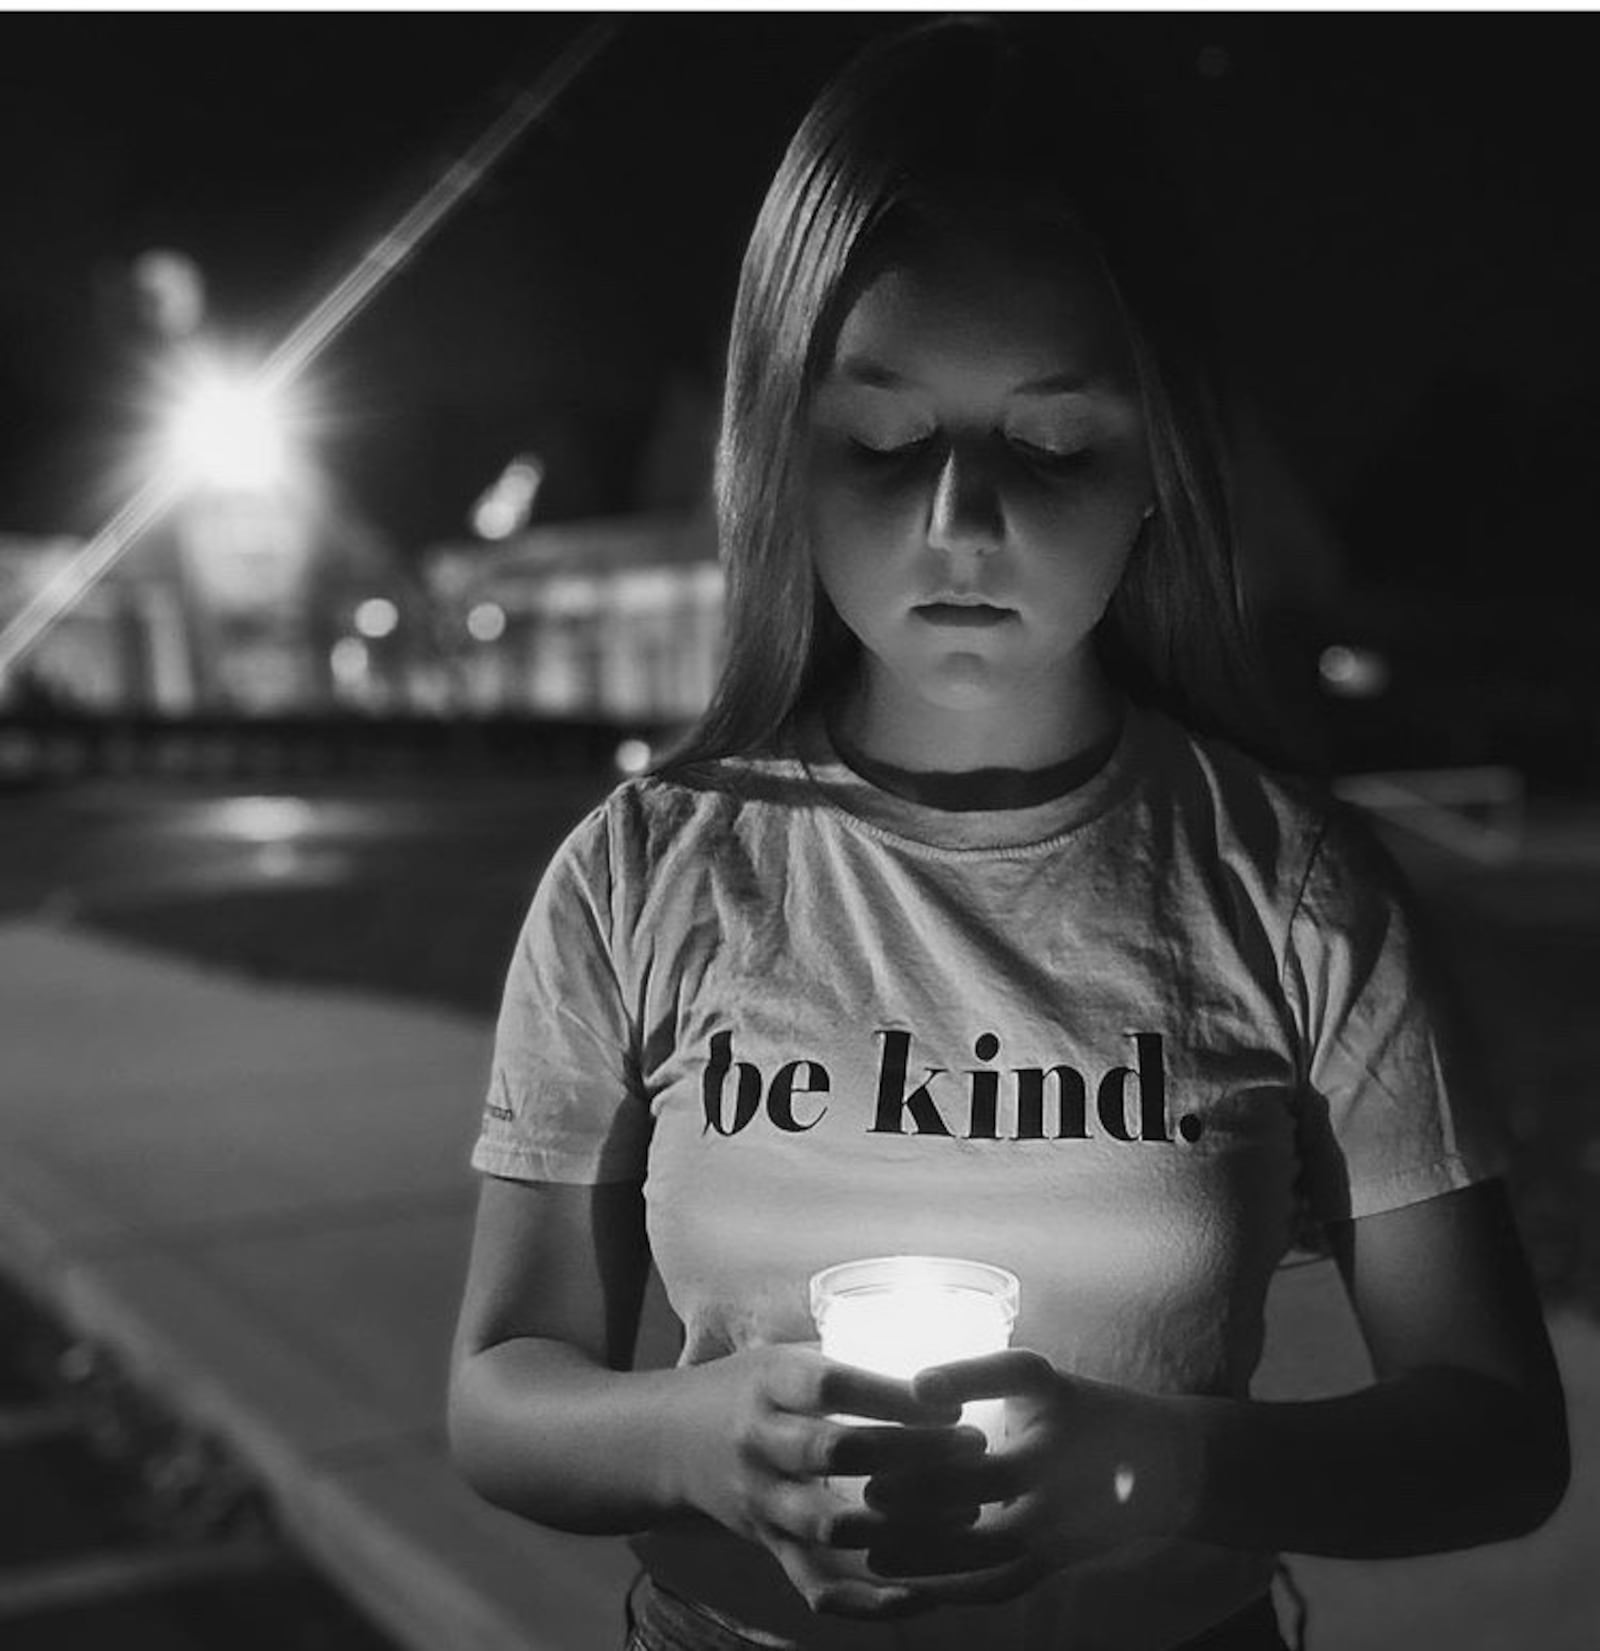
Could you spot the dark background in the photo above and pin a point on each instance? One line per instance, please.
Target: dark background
(1400, 208)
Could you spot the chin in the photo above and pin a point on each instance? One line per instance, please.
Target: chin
(967, 682)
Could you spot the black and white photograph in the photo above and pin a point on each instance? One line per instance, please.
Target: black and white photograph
(799, 830)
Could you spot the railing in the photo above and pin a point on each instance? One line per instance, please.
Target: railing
(1476, 813)
(55, 749)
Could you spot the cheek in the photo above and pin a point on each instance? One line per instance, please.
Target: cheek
(855, 532)
(1083, 537)
(846, 508)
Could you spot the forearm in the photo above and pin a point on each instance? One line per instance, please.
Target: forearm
(542, 1430)
(1432, 1460)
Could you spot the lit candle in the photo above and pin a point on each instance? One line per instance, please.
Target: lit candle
(899, 1314)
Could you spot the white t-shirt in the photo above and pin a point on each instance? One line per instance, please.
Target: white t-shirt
(1110, 1043)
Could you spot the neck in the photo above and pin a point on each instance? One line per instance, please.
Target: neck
(1029, 729)
(988, 758)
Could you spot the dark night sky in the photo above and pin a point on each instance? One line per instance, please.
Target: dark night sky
(1400, 206)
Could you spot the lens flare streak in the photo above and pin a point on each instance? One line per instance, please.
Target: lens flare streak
(390, 253)
(60, 593)
(378, 265)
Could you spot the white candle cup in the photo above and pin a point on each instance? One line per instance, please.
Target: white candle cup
(899, 1314)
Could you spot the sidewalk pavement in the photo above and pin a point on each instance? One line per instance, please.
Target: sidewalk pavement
(258, 1197)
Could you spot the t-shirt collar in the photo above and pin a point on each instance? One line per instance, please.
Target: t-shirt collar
(852, 794)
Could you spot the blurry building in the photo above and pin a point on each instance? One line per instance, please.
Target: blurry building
(119, 647)
(616, 619)
(235, 604)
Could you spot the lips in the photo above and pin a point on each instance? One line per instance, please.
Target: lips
(963, 614)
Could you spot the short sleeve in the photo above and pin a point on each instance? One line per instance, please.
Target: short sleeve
(564, 1101)
(1390, 1112)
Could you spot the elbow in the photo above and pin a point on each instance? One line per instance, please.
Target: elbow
(483, 1447)
(463, 1439)
(484, 1465)
(477, 1448)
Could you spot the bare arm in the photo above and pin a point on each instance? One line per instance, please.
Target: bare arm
(1461, 1441)
(545, 1417)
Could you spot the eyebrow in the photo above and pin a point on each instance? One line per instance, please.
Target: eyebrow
(861, 369)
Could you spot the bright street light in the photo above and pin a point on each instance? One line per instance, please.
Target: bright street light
(229, 430)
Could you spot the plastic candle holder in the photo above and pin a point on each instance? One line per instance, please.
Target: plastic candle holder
(899, 1314)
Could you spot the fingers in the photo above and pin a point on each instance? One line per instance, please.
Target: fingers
(806, 1510)
(862, 1451)
(900, 1489)
(982, 1587)
(800, 1512)
(943, 1552)
(1016, 1372)
(803, 1448)
(843, 1585)
(816, 1386)
(864, 1528)
(836, 1593)
(864, 1601)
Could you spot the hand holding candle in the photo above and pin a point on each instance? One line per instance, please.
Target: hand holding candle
(1086, 1468)
(1074, 1468)
(753, 1442)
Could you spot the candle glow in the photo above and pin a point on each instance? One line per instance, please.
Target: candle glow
(898, 1315)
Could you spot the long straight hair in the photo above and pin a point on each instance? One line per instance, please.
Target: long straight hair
(915, 123)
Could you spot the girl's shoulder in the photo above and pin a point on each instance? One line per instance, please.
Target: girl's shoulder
(652, 818)
(1212, 771)
(1291, 827)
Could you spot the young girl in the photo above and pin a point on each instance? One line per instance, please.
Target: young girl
(957, 929)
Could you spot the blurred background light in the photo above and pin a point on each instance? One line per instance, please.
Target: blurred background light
(277, 860)
(262, 819)
(504, 508)
(1353, 673)
(168, 291)
(348, 661)
(633, 756)
(377, 616)
(487, 622)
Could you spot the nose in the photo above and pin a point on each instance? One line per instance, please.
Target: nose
(965, 514)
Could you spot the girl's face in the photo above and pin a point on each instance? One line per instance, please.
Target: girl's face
(977, 475)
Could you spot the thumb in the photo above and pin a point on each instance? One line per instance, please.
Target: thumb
(1014, 1373)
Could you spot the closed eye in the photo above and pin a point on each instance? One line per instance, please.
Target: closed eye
(902, 450)
(1052, 458)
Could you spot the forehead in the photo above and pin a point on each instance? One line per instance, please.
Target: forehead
(976, 306)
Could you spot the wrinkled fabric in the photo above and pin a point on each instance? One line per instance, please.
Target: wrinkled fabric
(1119, 1043)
